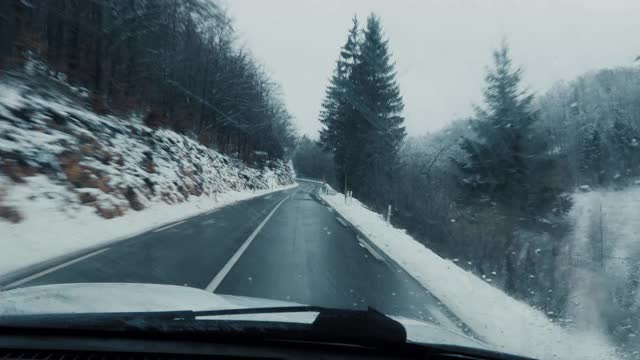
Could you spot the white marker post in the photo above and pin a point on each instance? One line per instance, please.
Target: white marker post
(389, 214)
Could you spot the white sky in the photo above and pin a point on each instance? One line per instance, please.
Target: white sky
(441, 48)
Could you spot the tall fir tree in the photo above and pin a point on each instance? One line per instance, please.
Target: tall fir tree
(379, 107)
(336, 114)
(505, 153)
(361, 113)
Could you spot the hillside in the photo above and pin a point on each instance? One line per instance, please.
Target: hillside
(71, 178)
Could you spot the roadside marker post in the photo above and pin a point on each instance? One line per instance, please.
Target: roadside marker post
(389, 214)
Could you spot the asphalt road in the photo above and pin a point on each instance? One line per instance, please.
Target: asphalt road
(284, 246)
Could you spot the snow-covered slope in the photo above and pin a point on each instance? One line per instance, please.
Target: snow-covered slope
(70, 178)
(510, 325)
(605, 249)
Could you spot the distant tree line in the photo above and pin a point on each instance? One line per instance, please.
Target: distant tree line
(311, 161)
(174, 58)
(595, 122)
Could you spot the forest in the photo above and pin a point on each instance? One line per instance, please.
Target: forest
(176, 60)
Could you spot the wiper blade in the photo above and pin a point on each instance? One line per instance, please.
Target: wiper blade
(359, 327)
(70, 320)
(264, 310)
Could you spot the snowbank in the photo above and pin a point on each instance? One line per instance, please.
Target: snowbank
(71, 179)
(508, 324)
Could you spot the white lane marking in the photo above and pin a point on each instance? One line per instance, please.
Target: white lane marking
(268, 197)
(55, 268)
(370, 249)
(341, 221)
(168, 226)
(310, 180)
(232, 261)
(212, 211)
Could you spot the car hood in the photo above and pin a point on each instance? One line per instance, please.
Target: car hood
(127, 297)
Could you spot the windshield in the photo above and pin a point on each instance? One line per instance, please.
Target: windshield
(469, 168)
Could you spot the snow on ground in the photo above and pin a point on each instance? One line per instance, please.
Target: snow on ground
(508, 324)
(72, 179)
(605, 251)
(609, 216)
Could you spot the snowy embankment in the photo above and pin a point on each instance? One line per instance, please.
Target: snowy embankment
(508, 324)
(605, 252)
(72, 179)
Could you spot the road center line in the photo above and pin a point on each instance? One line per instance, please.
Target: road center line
(55, 268)
(213, 285)
(168, 226)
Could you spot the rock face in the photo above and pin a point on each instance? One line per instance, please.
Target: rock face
(111, 163)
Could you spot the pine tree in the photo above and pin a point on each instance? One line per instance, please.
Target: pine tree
(337, 109)
(379, 106)
(507, 165)
(361, 113)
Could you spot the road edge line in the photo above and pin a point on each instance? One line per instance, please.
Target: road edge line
(52, 269)
(169, 226)
(393, 264)
(217, 280)
(372, 251)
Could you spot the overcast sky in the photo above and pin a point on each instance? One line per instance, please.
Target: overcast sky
(441, 48)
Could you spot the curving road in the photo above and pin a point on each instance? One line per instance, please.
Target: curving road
(284, 246)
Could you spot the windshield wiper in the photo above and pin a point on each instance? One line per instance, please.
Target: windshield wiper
(357, 327)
